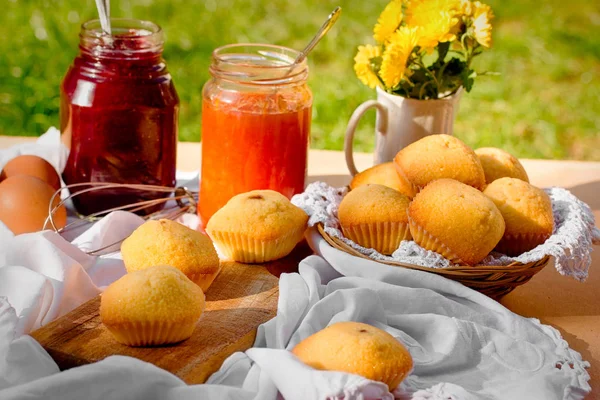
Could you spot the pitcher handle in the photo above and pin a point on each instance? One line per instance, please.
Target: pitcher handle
(382, 127)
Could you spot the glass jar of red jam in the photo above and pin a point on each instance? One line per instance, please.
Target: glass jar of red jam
(118, 114)
(256, 115)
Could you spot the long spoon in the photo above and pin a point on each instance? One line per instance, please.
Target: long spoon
(103, 7)
(327, 25)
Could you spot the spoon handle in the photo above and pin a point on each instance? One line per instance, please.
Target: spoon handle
(104, 14)
(333, 17)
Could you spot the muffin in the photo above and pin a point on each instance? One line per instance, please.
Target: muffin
(257, 226)
(498, 164)
(357, 348)
(456, 221)
(154, 306)
(383, 174)
(374, 216)
(527, 212)
(166, 242)
(438, 157)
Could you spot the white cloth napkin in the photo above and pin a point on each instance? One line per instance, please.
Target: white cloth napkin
(48, 146)
(465, 345)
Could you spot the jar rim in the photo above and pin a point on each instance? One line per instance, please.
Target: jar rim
(258, 64)
(130, 39)
(133, 27)
(218, 53)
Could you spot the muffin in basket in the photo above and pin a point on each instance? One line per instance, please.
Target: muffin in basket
(154, 306)
(257, 226)
(437, 157)
(382, 174)
(456, 221)
(527, 211)
(166, 242)
(359, 349)
(498, 163)
(374, 216)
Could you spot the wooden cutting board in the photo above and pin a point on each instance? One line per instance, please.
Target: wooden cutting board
(240, 299)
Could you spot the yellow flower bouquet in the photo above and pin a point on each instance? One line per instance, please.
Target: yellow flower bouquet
(425, 47)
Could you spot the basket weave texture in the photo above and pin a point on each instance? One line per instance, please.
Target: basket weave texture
(491, 280)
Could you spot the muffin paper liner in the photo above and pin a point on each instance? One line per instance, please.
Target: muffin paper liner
(515, 244)
(245, 249)
(151, 333)
(430, 242)
(385, 237)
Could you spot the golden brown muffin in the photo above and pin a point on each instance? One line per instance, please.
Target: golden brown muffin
(166, 242)
(154, 306)
(359, 349)
(383, 174)
(374, 216)
(437, 157)
(527, 211)
(456, 221)
(257, 226)
(498, 163)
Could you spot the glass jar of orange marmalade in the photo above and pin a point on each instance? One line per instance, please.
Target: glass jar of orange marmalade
(256, 113)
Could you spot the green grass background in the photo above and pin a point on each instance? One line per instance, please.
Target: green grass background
(545, 103)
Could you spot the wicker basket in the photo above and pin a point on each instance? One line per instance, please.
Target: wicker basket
(493, 281)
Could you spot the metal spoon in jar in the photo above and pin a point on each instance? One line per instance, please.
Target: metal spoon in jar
(327, 25)
(103, 7)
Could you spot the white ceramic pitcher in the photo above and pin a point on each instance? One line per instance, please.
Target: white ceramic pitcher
(400, 122)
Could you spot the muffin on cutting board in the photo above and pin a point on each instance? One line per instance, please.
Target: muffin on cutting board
(153, 306)
(166, 242)
(257, 226)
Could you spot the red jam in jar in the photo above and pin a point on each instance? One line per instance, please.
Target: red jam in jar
(118, 114)
(256, 114)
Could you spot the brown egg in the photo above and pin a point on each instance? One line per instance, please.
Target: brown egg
(32, 166)
(24, 204)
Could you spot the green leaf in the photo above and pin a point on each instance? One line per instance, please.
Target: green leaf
(442, 51)
(455, 67)
(468, 78)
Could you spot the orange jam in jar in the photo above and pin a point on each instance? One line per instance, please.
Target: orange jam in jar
(256, 113)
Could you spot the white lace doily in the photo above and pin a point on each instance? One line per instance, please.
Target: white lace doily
(570, 244)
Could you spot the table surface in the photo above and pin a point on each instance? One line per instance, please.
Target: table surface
(570, 306)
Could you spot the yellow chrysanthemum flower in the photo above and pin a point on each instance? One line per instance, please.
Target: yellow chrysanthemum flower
(435, 20)
(362, 65)
(466, 8)
(482, 27)
(417, 11)
(396, 54)
(388, 21)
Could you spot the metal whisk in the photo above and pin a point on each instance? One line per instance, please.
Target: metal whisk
(184, 201)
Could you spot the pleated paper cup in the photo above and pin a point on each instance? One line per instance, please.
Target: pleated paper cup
(151, 333)
(246, 249)
(429, 242)
(385, 237)
(516, 244)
